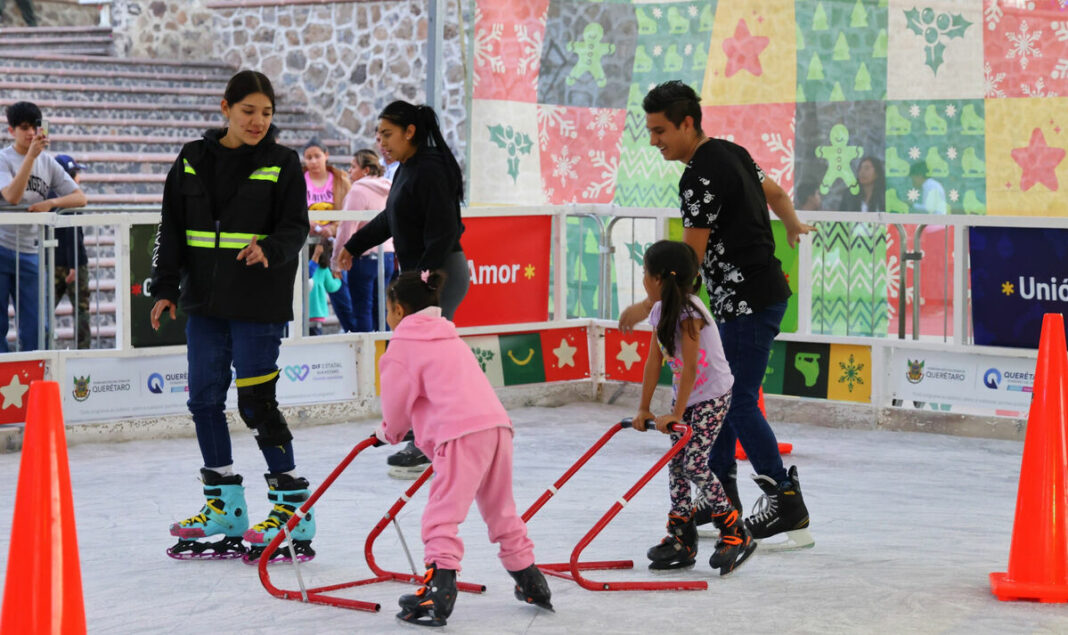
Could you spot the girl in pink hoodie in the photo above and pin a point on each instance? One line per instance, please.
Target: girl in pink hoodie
(432, 384)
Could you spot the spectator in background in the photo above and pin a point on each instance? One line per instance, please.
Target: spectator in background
(932, 195)
(808, 196)
(72, 264)
(872, 194)
(27, 175)
(369, 192)
(390, 163)
(26, 7)
(327, 187)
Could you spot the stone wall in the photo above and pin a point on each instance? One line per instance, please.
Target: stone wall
(52, 14)
(343, 61)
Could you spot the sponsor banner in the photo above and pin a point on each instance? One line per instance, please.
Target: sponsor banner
(15, 378)
(98, 388)
(974, 380)
(1018, 275)
(509, 277)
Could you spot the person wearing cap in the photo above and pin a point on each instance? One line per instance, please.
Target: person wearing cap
(71, 263)
(28, 175)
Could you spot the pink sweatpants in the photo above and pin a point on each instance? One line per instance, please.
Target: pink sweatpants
(475, 467)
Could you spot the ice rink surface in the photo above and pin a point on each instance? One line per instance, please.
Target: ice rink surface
(907, 528)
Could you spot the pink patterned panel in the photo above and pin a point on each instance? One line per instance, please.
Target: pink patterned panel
(766, 131)
(579, 152)
(507, 48)
(1026, 50)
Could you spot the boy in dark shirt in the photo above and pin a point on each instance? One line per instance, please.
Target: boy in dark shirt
(725, 198)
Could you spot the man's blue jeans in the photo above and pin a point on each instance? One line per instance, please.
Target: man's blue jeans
(212, 345)
(747, 343)
(27, 297)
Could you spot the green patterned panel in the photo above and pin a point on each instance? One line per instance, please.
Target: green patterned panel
(849, 280)
(841, 50)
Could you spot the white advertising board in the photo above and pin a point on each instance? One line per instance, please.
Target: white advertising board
(100, 389)
(965, 379)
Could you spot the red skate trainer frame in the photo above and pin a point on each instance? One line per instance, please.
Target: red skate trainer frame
(572, 570)
(318, 595)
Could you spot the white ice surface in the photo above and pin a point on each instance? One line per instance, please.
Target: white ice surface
(907, 528)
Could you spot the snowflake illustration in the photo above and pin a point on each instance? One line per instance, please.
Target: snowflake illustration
(913, 195)
(1060, 69)
(564, 165)
(992, 14)
(1007, 288)
(1060, 29)
(658, 13)
(554, 117)
(914, 153)
(609, 170)
(688, 50)
(951, 110)
(954, 195)
(774, 142)
(992, 82)
(1039, 89)
(602, 122)
(914, 111)
(951, 152)
(658, 50)
(1024, 44)
(529, 48)
(485, 43)
(851, 373)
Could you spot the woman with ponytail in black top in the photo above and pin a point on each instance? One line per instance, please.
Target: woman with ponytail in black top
(422, 216)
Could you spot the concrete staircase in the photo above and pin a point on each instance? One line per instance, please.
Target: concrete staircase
(126, 120)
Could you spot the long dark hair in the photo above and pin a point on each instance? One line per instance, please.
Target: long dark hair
(413, 293)
(675, 265)
(427, 135)
(878, 188)
(246, 83)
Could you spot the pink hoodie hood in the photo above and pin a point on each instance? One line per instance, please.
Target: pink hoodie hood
(432, 384)
(368, 193)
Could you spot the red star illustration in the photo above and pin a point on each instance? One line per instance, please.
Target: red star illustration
(743, 50)
(1038, 162)
(135, 289)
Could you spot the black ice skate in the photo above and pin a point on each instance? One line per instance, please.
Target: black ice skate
(530, 587)
(702, 509)
(780, 510)
(407, 464)
(735, 543)
(679, 548)
(432, 604)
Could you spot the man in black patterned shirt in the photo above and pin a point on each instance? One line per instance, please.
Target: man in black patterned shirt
(725, 198)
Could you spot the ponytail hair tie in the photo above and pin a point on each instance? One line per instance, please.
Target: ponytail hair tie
(673, 273)
(424, 275)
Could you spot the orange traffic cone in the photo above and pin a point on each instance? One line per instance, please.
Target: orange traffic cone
(784, 448)
(1038, 557)
(43, 590)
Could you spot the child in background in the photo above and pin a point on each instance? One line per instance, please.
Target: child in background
(686, 335)
(323, 283)
(432, 383)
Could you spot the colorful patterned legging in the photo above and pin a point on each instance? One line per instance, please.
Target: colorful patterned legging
(691, 464)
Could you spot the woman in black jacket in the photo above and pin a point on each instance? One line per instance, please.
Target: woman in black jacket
(234, 221)
(422, 216)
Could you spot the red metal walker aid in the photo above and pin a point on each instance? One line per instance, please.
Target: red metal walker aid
(572, 569)
(318, 595)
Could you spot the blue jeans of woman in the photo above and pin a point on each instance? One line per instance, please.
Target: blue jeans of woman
(212, 345)
(24, 293)
(363, 288)
(747, 343)
(342, 304)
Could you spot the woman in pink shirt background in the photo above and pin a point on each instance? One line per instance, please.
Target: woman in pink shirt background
(327, 188)
(369, 191)
(432, 384)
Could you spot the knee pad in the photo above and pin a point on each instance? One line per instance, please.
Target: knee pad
(259, 410)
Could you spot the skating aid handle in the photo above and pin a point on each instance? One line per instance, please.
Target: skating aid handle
(651, 423)
(378, 442)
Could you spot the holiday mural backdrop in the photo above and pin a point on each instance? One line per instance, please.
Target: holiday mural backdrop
(904, 106)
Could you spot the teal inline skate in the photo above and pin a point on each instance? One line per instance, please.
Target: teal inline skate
(224, 512)
(286, 495)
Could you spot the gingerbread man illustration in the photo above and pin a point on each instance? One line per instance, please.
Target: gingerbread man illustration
(590, 50)
(839, 155)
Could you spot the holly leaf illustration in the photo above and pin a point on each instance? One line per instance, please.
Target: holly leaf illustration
(497, 136)
(934, 55)
(523, 143)
(637, 251)
(914, 24)
(513, 168)
(958, 26)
